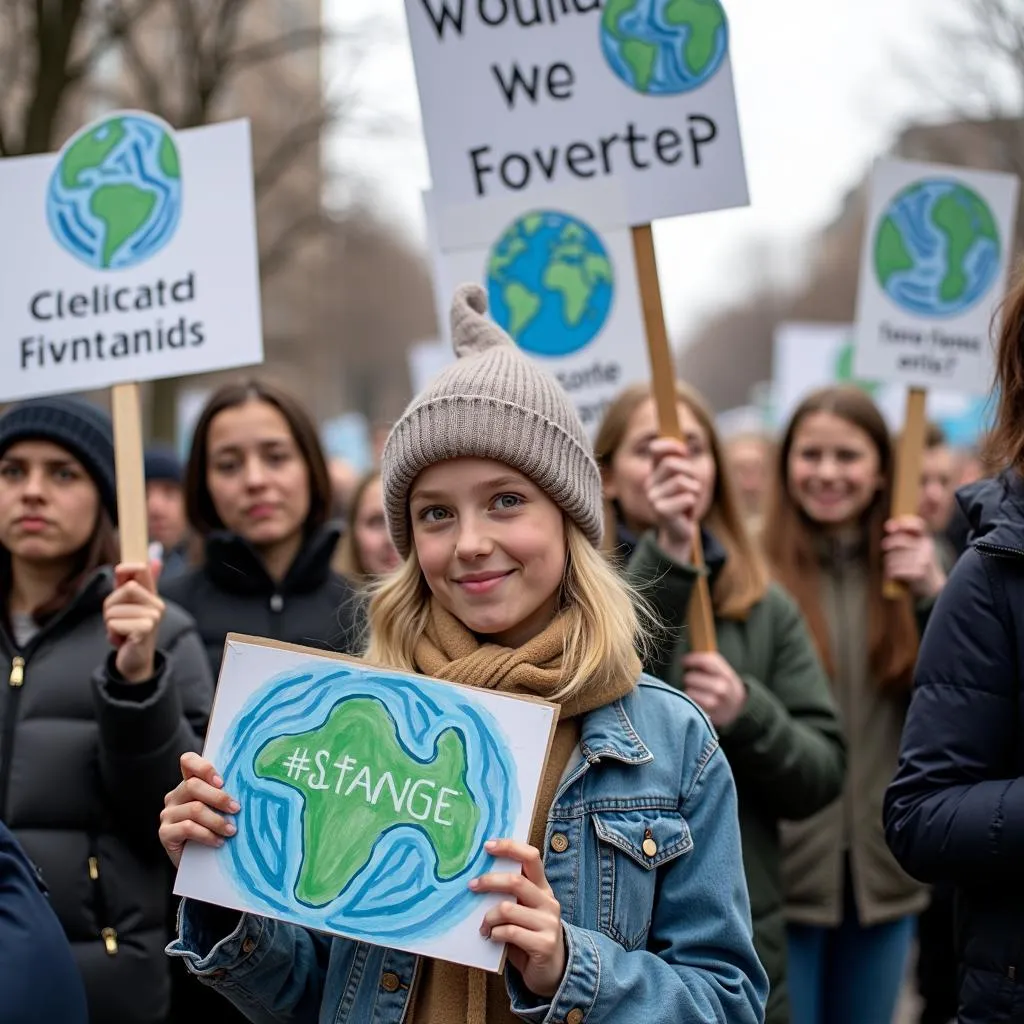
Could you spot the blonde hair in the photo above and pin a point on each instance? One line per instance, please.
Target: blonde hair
(607, 620)
(347, 561)
(744, 578)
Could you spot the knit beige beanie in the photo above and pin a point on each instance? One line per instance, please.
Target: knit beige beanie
(493, 403)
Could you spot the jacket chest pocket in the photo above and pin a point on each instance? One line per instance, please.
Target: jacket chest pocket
(631, 847)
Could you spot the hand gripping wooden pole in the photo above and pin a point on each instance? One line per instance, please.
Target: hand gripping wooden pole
(663, 379)
(907, 483)
(131, 482)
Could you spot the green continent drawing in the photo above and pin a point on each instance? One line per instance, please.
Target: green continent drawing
(358, 782)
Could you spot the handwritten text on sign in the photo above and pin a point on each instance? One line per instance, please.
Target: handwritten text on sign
(522, 94)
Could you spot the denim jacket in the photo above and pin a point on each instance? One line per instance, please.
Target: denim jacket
(657, 936)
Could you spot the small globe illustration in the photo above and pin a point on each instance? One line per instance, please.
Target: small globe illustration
(395, 887)
(114, 198)
(937, 249)
(550, 283)
(664, 47)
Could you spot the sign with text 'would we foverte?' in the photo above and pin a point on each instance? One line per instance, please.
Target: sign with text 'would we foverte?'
(132, 257)
(522, 95)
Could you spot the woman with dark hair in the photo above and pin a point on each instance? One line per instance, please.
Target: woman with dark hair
(954, 814)
(829, 539)
(106, 688)
(259, 498)
(764, 690)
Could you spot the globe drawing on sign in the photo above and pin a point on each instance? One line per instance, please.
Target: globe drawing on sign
(664, 47)
(937, 249)
(550, 283)
(366, 799)
(114, 198)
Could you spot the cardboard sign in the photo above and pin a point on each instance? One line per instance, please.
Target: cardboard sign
(807, 356)
(133, 257)
(518, 95)
(561, 280)
(933, 271)
(366, 798)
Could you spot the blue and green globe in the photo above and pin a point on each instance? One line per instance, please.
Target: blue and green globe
(114, 198)
(937, 249)
(664, 47)
(550, 283)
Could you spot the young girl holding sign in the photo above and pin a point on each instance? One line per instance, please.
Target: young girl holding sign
(829, 539)
(106, 687)
(765, 690)
(636, 909)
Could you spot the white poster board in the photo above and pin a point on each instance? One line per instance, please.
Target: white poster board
(936, 252)
(519, 96)
(132, 257)
(561, 280)
(807, 356)
(366, 798)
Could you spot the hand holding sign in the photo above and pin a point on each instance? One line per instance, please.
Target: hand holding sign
(910, 556)
(133, 613)
(674, 491)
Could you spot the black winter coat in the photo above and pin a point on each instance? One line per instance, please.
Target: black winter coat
(38, 977)
(233, 593)
(85, 762)
(955, 811)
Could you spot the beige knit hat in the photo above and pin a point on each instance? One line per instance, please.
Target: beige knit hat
(494, 403)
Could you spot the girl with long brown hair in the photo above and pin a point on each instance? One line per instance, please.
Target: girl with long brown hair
(831, 543)
(765, 689)
(366, 552)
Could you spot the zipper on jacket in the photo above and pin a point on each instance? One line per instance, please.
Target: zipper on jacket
(17, 676)
(1000, 550)
(107, 934)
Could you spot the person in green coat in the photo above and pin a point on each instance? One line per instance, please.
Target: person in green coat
(765, 690)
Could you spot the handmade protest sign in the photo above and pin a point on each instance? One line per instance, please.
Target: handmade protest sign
(136, 260)
(933, 271)
(366, 797)
(519, 94)
(561, 280)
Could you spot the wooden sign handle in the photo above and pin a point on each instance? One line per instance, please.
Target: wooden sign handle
(131, 481)
(907, 484)
(701, 615)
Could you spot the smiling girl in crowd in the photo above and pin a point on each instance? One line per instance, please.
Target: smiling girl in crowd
(850, 906)
(366, 553)
(106, 688)
(636, 910)
(765, 690)
(258, 494)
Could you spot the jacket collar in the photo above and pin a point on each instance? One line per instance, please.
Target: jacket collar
(233, 564)
(609, 732)
(714, 554)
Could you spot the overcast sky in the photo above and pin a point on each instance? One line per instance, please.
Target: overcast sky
(822, 86)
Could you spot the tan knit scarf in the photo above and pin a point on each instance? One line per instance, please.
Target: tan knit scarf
(448, 993)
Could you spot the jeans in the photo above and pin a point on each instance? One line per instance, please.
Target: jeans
(849, 974)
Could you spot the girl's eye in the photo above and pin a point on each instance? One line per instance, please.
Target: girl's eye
(847, 456)
(226, 466)
(10, 471)
(507, 502)
(275, 458)
(434, 514)
(65, 475)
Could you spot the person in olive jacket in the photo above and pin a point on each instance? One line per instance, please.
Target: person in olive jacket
(765, 690)
(954, 813)
(105, 689)
(258, 497)
(851, 910)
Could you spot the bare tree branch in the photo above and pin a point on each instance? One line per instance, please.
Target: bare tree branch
(281, 46)
(276, 254)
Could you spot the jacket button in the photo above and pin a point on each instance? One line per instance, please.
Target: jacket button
(389, 981)
(276, 603)
(574, 1016)
(560, 843)
(248, 946)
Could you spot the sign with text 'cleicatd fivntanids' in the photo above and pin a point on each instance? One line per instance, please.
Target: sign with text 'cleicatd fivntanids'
(936, 252)
(133, 257)
(561, 280)
(521, 94)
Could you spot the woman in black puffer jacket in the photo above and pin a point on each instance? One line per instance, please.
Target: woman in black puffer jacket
(105, 689)
(258, 498)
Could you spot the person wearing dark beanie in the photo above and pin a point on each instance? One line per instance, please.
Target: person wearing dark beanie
(107, 687)
(165, 509)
